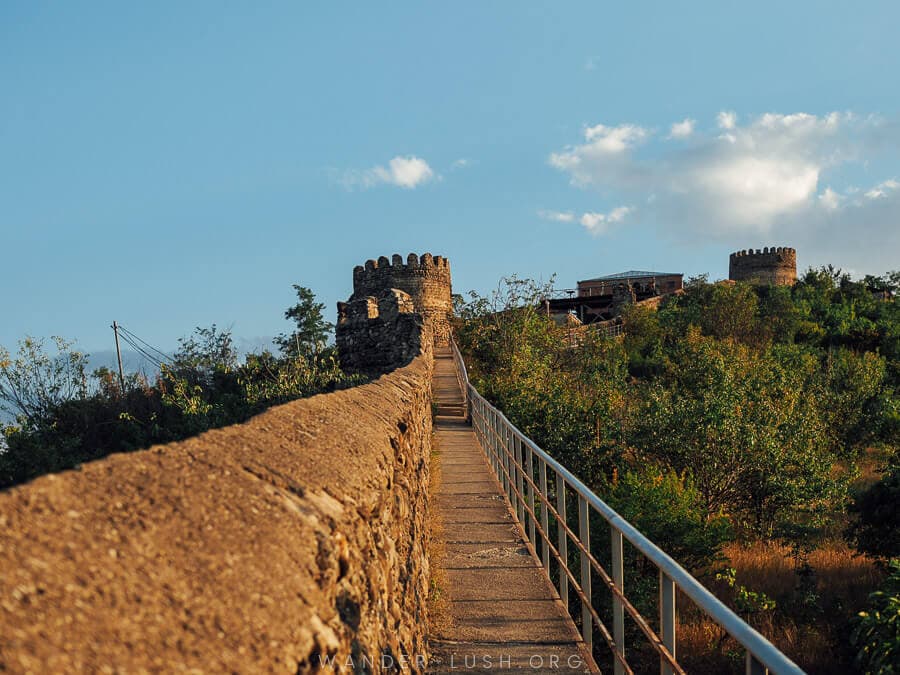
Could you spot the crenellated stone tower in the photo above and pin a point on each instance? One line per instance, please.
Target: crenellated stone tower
(425, 279)
(392, 306)
(771, 265)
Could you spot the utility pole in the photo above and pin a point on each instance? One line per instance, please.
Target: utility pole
(115, 328)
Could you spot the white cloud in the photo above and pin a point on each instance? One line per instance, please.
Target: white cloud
(598, 223)
(406, 172)
(742, 181)
(461, 163)
(558, 216)
(614, 139)
(594, 222)
(882, 190)
(726, 120)
(682, 129)
(830, 200)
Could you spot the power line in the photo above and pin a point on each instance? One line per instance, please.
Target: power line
(139, 349)
(165, 356)
(143, 352)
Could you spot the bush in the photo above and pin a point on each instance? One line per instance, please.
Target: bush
(65, 417)
(876, 531)
(667, 509)
(877, 632)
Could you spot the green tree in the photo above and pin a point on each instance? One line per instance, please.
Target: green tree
(204, 353)
(311, 331)
(667, 508)
(730, 311)
(35, 382)
(741, 425)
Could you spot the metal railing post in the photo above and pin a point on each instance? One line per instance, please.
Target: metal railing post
(508, 466)
(511, 473)
(754, 667)
(618, 575)
(532, 532)
(520, 462)
(584, 534)
(666, 619)
(545, 517)
(562, 539)
(502, 446)
(495, 440)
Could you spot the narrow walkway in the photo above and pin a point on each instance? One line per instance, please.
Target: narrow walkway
(503, 613)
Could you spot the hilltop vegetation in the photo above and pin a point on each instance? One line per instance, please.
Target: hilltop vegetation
(733, 418)
(66, 416)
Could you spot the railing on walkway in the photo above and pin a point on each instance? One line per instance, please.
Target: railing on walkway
(538, 488)
(462, 375)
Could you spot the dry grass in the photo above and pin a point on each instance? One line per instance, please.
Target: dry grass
(810, 622)
(438, 614)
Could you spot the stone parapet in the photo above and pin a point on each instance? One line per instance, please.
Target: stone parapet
(270, 546)
(377, 334)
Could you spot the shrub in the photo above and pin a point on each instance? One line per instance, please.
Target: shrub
(666, 507)
(877, 632)
(876, 531)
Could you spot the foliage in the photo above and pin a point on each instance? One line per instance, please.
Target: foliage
(877, 631)
(876, 531)
(34, 382)
(740, 423)
(762, 399)
(311, 331)
(570, 403)
(203, 355)
(747, 602)
(667, 508)
(66, 417)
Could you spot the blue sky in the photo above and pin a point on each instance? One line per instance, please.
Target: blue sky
(171, 165)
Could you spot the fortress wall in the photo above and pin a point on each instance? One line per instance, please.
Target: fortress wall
(377, 334)
(771, 265)
(425, 279)
(257, 547)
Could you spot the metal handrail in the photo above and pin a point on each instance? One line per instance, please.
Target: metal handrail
(462, 375)
(512, 457)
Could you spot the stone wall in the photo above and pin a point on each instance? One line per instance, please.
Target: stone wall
(425, 279)
(261, 547)
(377, 334)
(771, 265)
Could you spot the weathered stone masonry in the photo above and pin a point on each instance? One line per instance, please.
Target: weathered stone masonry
(375, 335)
(426, 280)
(262, 547)
(772, 265)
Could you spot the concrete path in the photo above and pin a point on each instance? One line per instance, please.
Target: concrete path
(503, 613)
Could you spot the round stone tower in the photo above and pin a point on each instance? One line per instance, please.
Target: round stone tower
(774, 265)
(425, 279)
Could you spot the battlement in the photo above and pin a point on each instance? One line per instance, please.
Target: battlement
(427, 261)
(379, 275)
(767, 251)
(770, 265)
